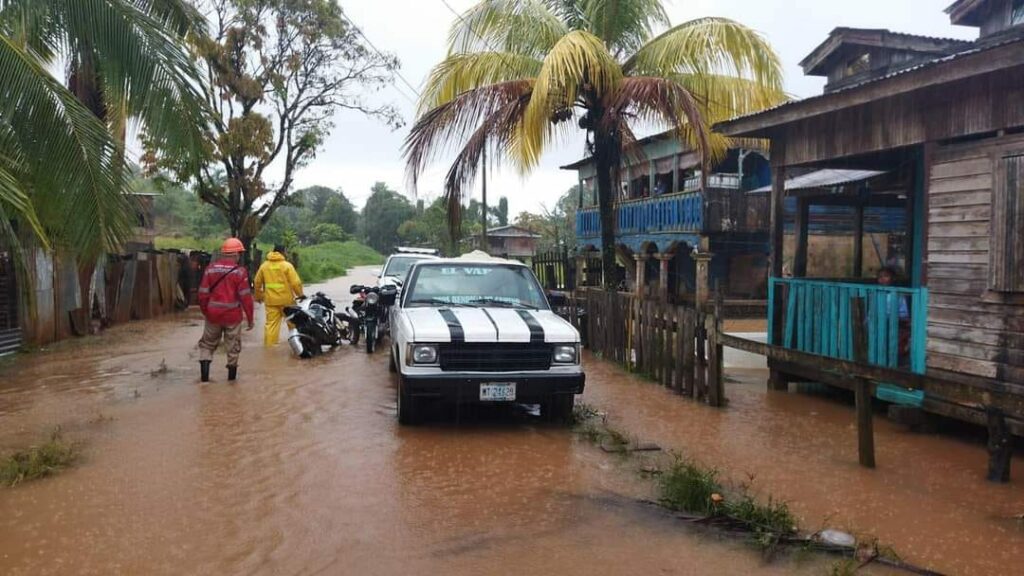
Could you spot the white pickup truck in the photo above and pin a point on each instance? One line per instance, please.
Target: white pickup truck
(478, 329)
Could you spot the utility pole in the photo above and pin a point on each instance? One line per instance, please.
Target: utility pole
(483, 235)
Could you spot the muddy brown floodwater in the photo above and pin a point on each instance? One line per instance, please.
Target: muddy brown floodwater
(301, 468)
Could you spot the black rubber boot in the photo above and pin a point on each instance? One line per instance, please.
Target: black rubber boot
(204, 370)
(232, 372)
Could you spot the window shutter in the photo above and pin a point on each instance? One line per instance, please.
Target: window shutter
(1007, 257)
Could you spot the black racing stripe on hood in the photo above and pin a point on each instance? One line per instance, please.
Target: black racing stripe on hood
(536, 330)
(454, 326)
(497, 331)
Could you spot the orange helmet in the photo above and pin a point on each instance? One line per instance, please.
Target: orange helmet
(232, 246)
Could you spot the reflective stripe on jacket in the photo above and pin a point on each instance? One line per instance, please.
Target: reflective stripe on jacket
(277, 283)
(230, 298)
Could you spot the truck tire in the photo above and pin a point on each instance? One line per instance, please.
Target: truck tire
(393, 362)
(407, 415)
(559, 408)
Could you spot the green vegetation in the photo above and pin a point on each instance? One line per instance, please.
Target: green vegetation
(689, 488)
(62, 162)
(275, 73)
(37, 461)
(332, 259)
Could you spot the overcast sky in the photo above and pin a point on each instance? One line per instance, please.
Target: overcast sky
(361, 151)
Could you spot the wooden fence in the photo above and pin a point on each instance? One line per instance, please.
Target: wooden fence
(676, 346)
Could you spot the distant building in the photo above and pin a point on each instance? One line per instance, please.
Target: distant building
(510, 241)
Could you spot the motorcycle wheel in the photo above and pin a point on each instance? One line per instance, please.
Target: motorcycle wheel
(371, 339)
(354, 332)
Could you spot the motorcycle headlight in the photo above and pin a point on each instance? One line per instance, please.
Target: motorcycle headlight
(372, 298)
(423, 354)
(566, 354)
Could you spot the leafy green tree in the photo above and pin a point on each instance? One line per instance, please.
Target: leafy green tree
(329, 232)
(428, 228)
(277, 70)
(339, 211)
(385, 211)
(62, 166)
(499, 213)
(520, 74)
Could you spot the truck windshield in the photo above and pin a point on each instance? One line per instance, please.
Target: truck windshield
(398, 266)
(474, 284)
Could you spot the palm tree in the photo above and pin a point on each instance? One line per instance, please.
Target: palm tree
(62, 166)
(520, 74)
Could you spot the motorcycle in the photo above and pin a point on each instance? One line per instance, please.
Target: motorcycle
(372, 309)
(316, 325)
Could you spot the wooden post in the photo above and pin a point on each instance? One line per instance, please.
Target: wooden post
(1000, 446)
(716, 369)
(641, 273)
(701, 370)
(777, 380)
(680, 350)
(862, 390)
(689, 353)
(663, 270)
(702, 257)
(858, 241)
(803, 215)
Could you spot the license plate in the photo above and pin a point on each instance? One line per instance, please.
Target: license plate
(498, 392)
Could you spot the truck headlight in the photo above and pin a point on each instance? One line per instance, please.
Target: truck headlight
(566, 354)
(420, 354)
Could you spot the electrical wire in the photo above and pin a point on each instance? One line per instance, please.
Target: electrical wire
(380, 53)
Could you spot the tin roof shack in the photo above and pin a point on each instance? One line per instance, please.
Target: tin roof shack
(946, 136)
(665, 216)
(511, 242)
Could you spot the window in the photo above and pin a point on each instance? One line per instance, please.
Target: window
(1007, 250)
(859, 64)
(1017, 14)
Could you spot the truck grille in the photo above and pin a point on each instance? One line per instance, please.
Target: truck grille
(492, 357)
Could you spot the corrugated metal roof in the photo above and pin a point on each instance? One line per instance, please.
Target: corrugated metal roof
(827, 178)
(929, 64)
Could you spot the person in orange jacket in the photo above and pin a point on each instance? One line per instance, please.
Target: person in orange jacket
(224, 296)
(277, 285)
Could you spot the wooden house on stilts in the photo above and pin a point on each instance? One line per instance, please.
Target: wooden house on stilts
(935, 129)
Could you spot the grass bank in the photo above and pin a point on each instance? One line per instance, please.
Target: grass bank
(316, 263)
(321, 262)
(37, 461)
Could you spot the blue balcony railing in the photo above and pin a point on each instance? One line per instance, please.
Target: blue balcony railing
(681, 212)
(817, 319)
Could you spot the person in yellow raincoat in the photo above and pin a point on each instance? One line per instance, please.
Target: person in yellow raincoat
(276, 285)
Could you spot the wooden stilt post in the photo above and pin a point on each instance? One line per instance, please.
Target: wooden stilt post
(689, 353)
(1000, 446)
(716, 364)
(803, 216)
(777, 380)
(858, 242)
(862, 390)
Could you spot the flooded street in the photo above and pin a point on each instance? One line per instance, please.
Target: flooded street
(301, 468)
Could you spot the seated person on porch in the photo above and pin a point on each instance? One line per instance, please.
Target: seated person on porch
(886, 276)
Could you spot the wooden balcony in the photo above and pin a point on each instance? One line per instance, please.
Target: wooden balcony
(722, 207)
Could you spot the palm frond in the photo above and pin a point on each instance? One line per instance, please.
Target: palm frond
(66, 161)
(524, 27)
(723, 96)
(441, 130)
(462, 72)
(578, 63)
(710, 46)
(661, 101)
(624, 25)
(499, 133)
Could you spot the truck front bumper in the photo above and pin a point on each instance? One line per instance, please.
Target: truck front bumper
(531, 388)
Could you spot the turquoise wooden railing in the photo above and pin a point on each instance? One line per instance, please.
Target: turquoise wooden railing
(817, 320)
(683, 212)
